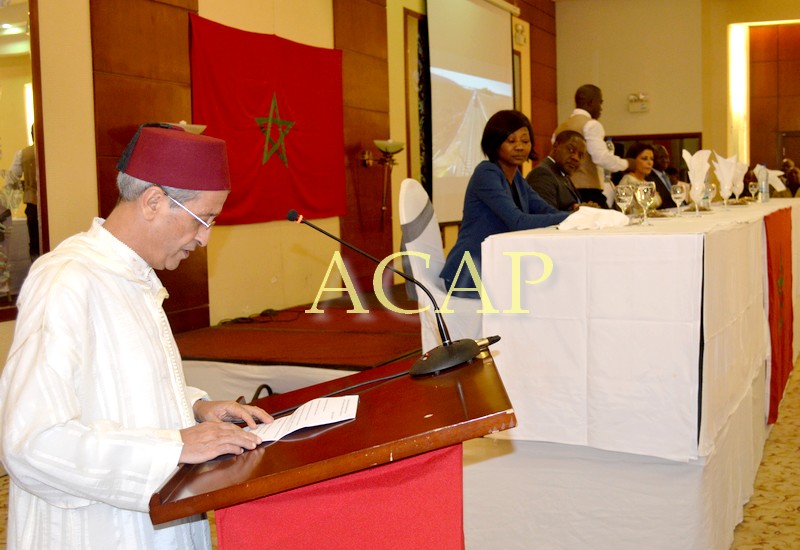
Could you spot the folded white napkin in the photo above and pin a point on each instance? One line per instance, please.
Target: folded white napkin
(775, 180)
(724, 168)
(773, 176)
(698, 168)
(587, 217)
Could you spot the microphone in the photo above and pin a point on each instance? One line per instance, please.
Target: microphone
(450, 353)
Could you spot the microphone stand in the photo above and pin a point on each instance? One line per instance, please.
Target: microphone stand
(450, 353)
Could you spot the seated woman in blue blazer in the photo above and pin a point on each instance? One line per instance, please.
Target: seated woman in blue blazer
(498, 199)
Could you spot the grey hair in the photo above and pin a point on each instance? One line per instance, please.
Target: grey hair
(130, 188)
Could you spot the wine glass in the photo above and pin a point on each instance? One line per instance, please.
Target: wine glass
(624, 197)
(753, 188)
(696, 192)
(712, 192)
(646, 196)
(678, 193)
(725, 191)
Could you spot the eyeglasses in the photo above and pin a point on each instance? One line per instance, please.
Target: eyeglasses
(204, 223)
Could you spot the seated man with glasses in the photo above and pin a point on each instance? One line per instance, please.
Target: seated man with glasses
(95, 411)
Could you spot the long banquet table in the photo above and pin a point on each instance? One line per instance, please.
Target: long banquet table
(639, 369)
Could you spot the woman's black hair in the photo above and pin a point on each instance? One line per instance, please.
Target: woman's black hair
(501, 125)
(638, 148)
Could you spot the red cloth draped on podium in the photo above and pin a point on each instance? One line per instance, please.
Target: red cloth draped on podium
(779, 276)
(415, 503)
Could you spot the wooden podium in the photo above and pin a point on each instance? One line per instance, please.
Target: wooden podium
(347, 485)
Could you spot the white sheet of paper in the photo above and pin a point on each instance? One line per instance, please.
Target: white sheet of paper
(317, 412)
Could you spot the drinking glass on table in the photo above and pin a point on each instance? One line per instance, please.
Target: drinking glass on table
(753, 188)
(725, 191)
(624, 197)
(678, 193)
(696, 192)
(646, 197)
(712, 192)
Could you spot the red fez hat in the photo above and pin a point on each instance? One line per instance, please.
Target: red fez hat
(168, 155)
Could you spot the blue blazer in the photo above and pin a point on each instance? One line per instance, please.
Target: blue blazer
(489, 208)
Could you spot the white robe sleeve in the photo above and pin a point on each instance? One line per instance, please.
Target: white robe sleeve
(595, 134)
(71, 396)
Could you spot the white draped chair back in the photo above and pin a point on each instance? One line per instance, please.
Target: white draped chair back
(421, 234)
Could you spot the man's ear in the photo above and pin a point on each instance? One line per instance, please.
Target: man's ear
(149, 202)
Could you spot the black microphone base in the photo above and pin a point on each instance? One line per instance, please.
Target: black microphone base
(446, 357)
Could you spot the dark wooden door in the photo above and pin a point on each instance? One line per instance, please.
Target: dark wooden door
(789, 146)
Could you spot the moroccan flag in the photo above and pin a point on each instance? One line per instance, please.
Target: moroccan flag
(779, 276)
(278, 106)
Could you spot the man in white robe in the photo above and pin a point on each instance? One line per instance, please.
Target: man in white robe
(95, 411)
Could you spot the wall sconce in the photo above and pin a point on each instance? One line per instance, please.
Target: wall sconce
(388, 149)
(519, 35)
(638, 103)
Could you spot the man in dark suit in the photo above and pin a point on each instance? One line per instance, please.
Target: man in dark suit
(551, 178)
(659, 176)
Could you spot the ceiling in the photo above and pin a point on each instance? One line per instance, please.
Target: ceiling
(14, 39)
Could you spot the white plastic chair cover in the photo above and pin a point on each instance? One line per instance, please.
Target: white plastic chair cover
(420, 229)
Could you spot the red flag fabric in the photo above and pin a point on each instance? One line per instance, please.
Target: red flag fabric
(416, 502)
(278, 106)
(779, 276)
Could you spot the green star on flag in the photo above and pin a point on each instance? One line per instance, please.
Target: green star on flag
(272, 145)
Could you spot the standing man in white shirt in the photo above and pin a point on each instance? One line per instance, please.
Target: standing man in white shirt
(588, 179)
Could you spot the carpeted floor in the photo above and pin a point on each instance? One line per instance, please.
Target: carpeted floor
(771, 518)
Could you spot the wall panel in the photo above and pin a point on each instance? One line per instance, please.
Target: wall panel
(774, 90)
(134, 40)
(540, 14)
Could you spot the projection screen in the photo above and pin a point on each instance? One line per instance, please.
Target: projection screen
(471, 55)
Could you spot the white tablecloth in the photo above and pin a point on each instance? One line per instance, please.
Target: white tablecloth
(530, 495)
(609, 354)
(227, 381)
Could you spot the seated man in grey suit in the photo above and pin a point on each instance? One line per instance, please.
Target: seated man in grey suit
(551, 178)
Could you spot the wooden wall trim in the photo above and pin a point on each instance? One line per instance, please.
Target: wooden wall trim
(360, 32)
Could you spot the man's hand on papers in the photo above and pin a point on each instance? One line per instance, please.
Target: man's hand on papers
(216, 435)
(209, 440)
(227, 411)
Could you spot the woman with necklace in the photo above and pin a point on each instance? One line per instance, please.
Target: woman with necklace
(642, 155)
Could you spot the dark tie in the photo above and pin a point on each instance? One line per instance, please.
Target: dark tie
(665, 179)
(570, 186)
